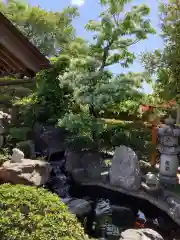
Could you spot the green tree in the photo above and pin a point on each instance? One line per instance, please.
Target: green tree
(82, 68)
(94, 86)
(114, 33)
(164, 87)
(122, 93)
(49, 31)
(50, 101)
(165, 63)
(80, 83)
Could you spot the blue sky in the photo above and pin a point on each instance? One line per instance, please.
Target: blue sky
(90, 9)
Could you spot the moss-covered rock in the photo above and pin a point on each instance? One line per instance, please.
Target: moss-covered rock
(30, 213)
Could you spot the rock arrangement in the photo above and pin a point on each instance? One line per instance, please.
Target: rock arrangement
(59, 183)
(124, 174)
(24, 171)
(124, 177)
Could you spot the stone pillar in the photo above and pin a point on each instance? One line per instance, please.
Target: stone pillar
(169, 149)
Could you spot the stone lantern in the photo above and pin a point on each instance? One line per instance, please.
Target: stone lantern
(169, 149)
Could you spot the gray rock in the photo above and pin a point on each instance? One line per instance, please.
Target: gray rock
(174, 204)
(125, 171)
(48, 139)
(78, 174)
(103, 207)
(91, 162)
(73, 161)
(78, 206)
(27, 172)
(55, 140)
(59, 185)
(140, 234)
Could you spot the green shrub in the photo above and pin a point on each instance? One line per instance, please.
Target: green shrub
(134, 135)
(4, 155)
(30, 213)
(19, 134)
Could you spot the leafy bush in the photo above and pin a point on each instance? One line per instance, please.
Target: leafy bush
(4, 155)
(29, 213)
(134, 135)
(97, 134)
(19, 134)
(27, 109)
(50, 100)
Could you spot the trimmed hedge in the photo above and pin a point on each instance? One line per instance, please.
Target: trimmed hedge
(30, 213)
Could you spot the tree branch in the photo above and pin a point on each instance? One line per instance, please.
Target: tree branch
(134, 42)
(105, 55)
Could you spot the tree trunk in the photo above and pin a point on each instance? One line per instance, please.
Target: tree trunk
(92, 111)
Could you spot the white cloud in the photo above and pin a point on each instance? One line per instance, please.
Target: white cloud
(78, 3)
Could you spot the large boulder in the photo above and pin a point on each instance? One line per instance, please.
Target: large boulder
(78, 206)
(48, 139)
(88, 164)
(140, 234)
(73, 161)
(125, 170)
(27, 172)
(91, 163)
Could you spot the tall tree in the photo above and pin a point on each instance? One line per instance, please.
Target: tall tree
(49, 31)
(165, 63)
(114, 32)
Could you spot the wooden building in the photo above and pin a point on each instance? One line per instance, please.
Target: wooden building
(18, 56)
(20, 60)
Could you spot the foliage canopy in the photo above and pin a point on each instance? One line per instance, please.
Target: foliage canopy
(81, 88)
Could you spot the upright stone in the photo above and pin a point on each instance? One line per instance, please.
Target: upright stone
(17, 156)
(169, 150)
(125, 171)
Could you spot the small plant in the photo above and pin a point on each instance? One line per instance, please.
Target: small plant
(30, 213)
(4, 155)
(107, 162)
